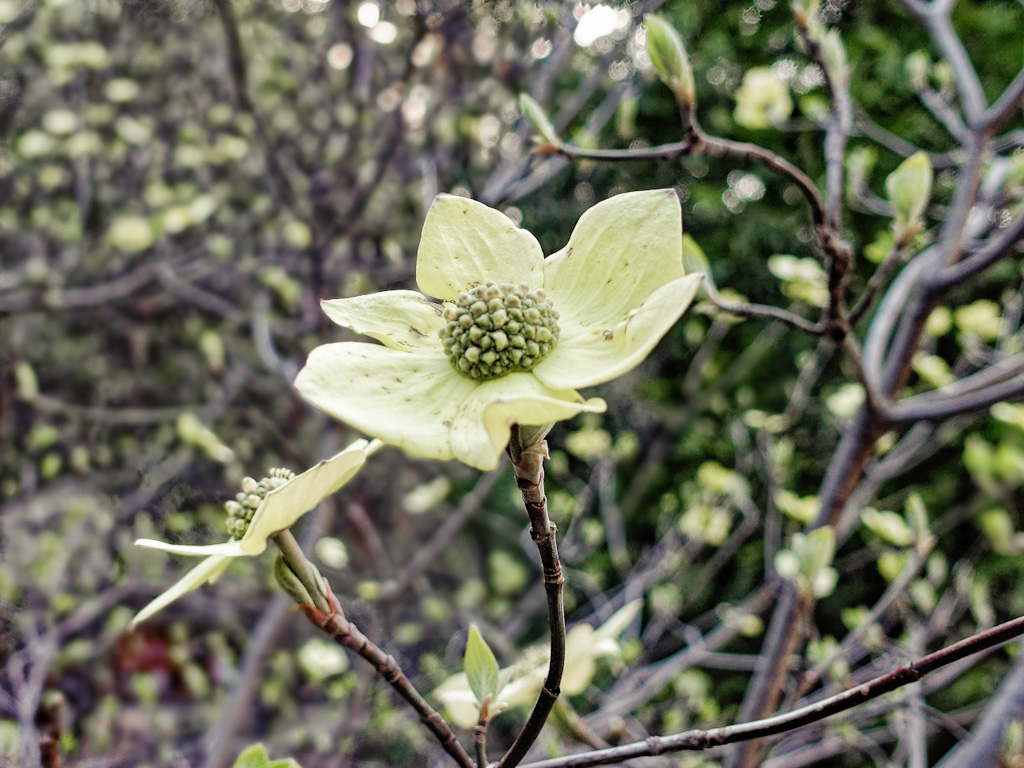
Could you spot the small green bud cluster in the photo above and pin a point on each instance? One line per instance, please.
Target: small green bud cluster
(240, 510)
(497, 329)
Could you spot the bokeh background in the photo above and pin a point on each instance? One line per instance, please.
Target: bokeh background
(182, 181)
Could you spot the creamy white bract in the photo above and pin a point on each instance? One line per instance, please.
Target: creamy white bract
(278, 509)
(615, 289)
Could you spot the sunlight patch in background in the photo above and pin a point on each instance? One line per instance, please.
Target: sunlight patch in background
(368, 14)
(598, 22)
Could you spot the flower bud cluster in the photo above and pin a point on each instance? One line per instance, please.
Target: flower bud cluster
(496, 329)
(241, 509)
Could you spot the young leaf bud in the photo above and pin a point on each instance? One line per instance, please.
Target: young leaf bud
(535, 116)
(665, 47)
(291, 583)
(909, 188)
(917, 65)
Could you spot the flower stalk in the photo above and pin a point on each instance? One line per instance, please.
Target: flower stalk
(528, 464)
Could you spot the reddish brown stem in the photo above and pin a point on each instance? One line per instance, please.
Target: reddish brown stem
(528, 462)
(336, 626)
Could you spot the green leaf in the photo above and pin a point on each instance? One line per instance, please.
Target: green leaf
(481, 666)
(917, 516)
(538, 118)
(932, 369)
(815, 550)
(910, 188)
(860, 162)
(982, 318)
(256, 757)
(131, 234)
(762, 100)
(889, 526)
(917, 66)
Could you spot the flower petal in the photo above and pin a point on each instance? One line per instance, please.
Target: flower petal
(408, 400)
(286, 504)
(580, 657)
(397, 319)
(586, 356)
(209, 570)
(465, 243)
(483, 421)
(618, 621)
(621, 251)
(459, 702)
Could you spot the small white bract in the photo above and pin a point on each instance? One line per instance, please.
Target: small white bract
(276, 510)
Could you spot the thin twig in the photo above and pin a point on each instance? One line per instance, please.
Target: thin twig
(918, 409)
(935, 17)
(745, 309)
(942, 111)
(896, 589)
(336, 626)
(994, 250)
(895, 257)
(1005, 104)
(699, 740)
(983, 745)
(427, 554)
(642, 685)
(698, 143)
(237, 64)
(837, 127)
(996, 373)
(872, 130)
(480, 734)
(712, 146)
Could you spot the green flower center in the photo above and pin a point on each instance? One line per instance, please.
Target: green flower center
(497, 329)
(245, 504)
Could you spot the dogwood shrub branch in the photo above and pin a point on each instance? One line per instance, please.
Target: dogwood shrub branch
(335, 625)
(702, 739)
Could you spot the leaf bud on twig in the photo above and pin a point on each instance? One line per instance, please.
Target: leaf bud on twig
(668, 55)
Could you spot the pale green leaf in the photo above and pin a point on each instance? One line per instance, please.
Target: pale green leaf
(481, 666)
(256, 757)
(762, 100)
(909, 188)
(537, 117)
(889, 526)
